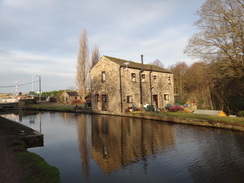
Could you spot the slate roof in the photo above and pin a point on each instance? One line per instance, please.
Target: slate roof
(72, 93)
(135, 65)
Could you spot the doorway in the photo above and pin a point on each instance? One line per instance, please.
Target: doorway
(155, 100)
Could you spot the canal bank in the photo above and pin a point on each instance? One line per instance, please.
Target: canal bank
(18, 164)
(190, 120)
(223, 122)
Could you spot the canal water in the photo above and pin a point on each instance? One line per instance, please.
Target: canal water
(99, 148)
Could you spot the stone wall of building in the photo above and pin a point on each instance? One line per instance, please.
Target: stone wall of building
(109, 87)
(159, 85)
(123, 84)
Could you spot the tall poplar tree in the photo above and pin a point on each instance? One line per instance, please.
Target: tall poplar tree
(83, 66)
(95, 55)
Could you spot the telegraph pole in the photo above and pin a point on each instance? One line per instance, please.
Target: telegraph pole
(39, 88)
(16, 87)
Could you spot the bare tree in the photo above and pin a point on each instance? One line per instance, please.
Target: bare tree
(221, 36)
(83, 66)
(157, 62)
(220, 43)
(198, 85)
(179, 70)
(95, 55)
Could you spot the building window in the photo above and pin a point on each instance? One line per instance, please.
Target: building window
(129, 99)
(97, 98)
(154, 78)
(143, 76)
(169, 80)
(166, 96)
(103, 76)
(133, 77)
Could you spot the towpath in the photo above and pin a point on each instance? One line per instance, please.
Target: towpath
(10, 171)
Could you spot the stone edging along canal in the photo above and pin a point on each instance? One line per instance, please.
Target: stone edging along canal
(191, 121)
(30, 137)
(180, 120)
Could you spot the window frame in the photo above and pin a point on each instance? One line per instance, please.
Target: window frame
(129, 99)
(166, 96)
(133, 77)
(143, 78)
(155, 78)
(169, 80)
(103, 76)
(97, 98)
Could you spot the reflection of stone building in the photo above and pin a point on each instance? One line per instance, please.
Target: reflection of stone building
(116, 84)
(122, 141)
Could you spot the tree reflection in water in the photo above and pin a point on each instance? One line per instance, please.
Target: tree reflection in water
(84, 140)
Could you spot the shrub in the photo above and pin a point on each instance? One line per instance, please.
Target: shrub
(168, 106)
(180, 102)
(76, 102)
(240, 114)
(176, 109)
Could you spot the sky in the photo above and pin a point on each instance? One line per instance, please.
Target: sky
(41, 37)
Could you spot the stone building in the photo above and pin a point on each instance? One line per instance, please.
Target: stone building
(68, 97)
(117, 85)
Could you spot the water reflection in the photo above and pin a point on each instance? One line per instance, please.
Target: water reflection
(17, 115)
(85, 142)
(117, 142)
(218, 157)
(34, 117)
(30, 142)
(98, 148)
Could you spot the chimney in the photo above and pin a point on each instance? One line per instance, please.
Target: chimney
(141, 59)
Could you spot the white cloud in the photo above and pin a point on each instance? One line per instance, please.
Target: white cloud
(43, 36)
(24, 62)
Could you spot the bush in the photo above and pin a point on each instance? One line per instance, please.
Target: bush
(240, 114)
(76, 102)
(168, 106)
(180, 102)
(176, 109)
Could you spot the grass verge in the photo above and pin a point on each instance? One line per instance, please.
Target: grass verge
(210, 118)
(51, 107)
(36, 169)
(225, 119)
(234, 120)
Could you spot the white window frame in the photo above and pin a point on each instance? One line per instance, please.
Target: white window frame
(103, 76)
(133, 77)
(166, 96)
(129, 99)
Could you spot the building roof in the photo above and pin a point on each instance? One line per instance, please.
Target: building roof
(72, 93)
(136, 65)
